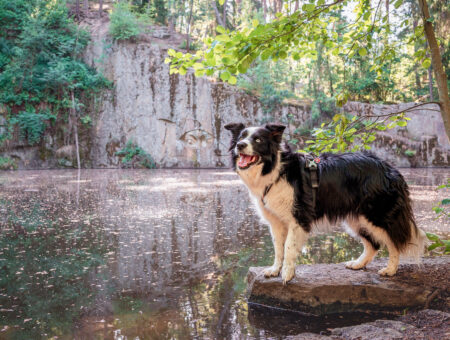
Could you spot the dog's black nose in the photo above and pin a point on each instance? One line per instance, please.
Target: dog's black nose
(241, 145)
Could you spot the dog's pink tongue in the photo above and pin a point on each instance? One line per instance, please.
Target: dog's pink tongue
(244, 160)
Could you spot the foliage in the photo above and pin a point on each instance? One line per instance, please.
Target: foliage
(41, 65)
(438, 244)
(32, 125)
(442, 208)
(442, 211)
(133, 154)
(359, 49)
(124, 24)
(345, 132)
(193, 45)
(410, 153)
(263, 80)
(7, 163)
(149, 11)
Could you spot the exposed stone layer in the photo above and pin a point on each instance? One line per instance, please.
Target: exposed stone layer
(331, 288)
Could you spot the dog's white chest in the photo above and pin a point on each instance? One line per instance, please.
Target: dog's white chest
(279, 200)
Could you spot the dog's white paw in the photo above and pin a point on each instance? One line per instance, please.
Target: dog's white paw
(355, 265)
(387, 271)
(272, 271)
(287, 273)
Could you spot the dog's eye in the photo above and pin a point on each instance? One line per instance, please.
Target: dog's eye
(257, 140)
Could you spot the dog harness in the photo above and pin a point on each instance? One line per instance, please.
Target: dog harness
(311, 164)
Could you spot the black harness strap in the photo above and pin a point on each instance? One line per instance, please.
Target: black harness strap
(267, 189)
(312, 165)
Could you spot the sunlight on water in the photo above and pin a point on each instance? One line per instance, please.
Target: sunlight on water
(146, 254)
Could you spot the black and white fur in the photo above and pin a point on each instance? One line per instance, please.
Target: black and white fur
(358, 190)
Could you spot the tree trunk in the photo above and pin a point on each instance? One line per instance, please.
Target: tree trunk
(77, 9)
(75, 129)
(217, 13)
(416, 65)
(297, 2)
(100, 8)
(436, 63)
(188, 29)
(86, 6)
(430, 82)
(264, 3)
(224, 14)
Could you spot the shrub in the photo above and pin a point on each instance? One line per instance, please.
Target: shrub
(124, 24)
(133, 155)
(7, 163)
(32, 125)
(410, 153)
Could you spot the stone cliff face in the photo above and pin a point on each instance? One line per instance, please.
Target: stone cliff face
(177, 119)
(423, 142)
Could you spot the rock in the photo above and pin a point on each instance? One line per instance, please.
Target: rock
(433, 323)
(67, 151)
(331, 288)
(176, 119)
(378, 330)
(423, 142)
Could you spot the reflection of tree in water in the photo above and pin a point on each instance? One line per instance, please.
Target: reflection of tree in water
(48, 270)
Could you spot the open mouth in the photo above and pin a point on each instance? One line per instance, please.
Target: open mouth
(245, 161)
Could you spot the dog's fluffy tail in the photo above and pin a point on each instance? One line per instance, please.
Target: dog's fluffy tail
(415, 248)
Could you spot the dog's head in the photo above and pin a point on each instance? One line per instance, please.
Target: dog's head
(255, 145)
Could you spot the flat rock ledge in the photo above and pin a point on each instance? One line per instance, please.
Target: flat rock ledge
(331, 288)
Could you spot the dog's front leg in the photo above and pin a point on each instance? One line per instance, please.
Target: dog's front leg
(295, 240)
(279, 233)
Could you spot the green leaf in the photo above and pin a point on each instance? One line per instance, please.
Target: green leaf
(221, 29)
(402, 123)
(255, 22)
(199, 73)
(398, 3)
(225, 75)
(362, 52)
(232, 80)
(167, 61)
(182, 71)
(445, 201)
(308, 7)
(433, 237)
(221, 2)
(426, 63)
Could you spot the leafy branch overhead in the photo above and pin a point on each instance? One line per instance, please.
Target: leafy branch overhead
(293, 35)
(317, 30)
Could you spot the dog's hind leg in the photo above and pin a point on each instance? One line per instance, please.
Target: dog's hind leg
(295, 240)
(279, 232)
(394, 257)
(371, 246)
(380, 236)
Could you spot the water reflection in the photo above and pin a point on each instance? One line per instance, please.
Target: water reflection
(148, 254)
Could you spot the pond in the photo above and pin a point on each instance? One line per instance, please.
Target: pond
(138, 254)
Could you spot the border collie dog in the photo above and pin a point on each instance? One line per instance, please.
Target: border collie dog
(358, 190)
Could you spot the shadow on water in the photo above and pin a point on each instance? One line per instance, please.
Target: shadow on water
(144, 254)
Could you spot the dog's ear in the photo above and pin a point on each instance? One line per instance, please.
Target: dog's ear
(235, 129)
(276, 131)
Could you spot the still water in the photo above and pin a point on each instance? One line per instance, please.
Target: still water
(138, 254)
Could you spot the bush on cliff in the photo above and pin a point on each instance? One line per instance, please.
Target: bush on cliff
(42, 73)
(124, 23)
